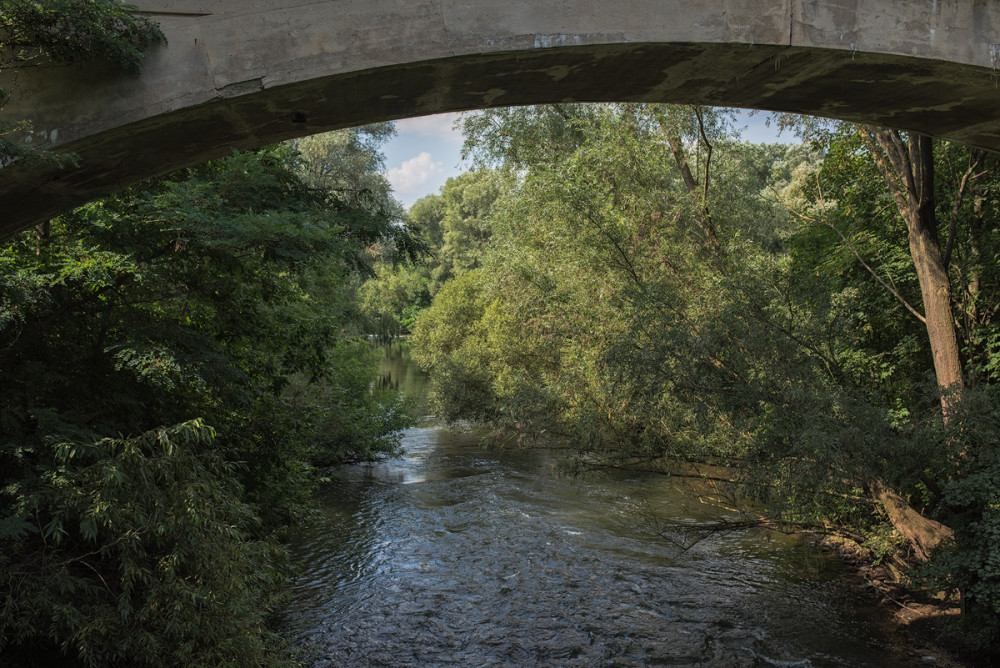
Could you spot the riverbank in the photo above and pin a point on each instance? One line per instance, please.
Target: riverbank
(918, 620)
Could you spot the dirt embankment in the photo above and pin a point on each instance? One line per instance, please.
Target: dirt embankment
(920, 619)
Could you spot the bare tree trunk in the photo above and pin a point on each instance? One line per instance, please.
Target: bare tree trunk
(908, 168)
(42, 233)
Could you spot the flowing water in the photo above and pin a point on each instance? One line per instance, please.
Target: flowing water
(459, 554)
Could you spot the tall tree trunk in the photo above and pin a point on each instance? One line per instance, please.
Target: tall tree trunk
(908, 168)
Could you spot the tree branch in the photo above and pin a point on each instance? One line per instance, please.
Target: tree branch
(854, 250)
(975, 160)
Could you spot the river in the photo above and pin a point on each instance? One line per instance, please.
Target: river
(465, 555)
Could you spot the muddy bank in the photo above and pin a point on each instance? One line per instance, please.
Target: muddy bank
(921, 621)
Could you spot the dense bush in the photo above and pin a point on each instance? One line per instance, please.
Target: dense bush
(174, 361)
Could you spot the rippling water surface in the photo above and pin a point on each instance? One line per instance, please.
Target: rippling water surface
(455, 554)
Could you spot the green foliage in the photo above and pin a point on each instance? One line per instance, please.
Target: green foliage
(216, 296)
(425, 218)
(583, 277)
(604, 312)
(970, 563)
(465, 223)
(524, 137)
(346, 418)
(347, 165)
(449, 340)
(137, 551)
(454, 230)
(394, 297)
(948, 469)
(72, 30)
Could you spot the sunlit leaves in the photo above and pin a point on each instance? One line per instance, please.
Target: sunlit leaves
(604, 316)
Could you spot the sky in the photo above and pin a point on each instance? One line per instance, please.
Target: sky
(426, 151)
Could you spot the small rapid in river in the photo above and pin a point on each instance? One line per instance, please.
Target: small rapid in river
(459, 554)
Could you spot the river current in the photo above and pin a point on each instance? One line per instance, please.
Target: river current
(458, 554)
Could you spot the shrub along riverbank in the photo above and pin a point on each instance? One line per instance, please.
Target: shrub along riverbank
(175, 360)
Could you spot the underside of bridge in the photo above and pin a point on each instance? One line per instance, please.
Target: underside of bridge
(240, 74)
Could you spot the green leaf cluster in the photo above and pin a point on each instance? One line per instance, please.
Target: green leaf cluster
(148, 554)
(176, 360)
(71, 30)
(454, 230)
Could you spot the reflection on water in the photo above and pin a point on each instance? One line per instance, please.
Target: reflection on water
(455, 554)
(400, 372)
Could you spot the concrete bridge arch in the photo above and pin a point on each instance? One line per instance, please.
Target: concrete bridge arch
(242, 73)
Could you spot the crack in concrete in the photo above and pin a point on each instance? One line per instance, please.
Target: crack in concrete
(241, 88)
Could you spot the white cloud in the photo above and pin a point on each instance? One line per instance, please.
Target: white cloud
(413, 173)
(438, 126)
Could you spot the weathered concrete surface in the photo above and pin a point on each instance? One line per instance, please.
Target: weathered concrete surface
(241, 73)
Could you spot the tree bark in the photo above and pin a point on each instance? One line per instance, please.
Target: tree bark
(42, 233)
(908, 168)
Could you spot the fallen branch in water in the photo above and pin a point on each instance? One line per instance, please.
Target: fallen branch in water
(692, 534)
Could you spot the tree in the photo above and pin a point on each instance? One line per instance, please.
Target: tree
(606, 315)
(908, 168)
(907, 165)
(175, 360)
(347, 165)
(465, 225)
(595, 246)
(872, 180)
